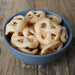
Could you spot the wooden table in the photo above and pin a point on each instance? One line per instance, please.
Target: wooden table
(10, 65)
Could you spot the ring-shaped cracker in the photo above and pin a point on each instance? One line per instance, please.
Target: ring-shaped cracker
(19, 40)
(57, 45)
(46, 31)
(64, 35)
(54, 18)
(16, 24)
(32, 14)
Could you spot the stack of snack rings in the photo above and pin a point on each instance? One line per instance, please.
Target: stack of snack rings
(37, 33)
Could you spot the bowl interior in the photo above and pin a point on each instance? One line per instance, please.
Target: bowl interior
(64, 23)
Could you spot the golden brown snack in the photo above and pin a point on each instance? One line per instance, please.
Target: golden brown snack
(54, 18)
(18, 39)
(16, 24)
(42, 27)
(32, 14)
(64, 35)
(9, 29)
(57, 45)
(46, 31)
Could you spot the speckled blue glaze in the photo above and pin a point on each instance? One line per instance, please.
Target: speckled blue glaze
(39, 59)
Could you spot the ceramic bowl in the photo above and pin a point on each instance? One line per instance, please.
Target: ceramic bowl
(38, 59)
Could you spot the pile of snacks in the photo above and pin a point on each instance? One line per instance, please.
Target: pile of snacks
(37, 33)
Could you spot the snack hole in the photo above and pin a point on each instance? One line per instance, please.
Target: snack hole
(55, 49)
(30, 33)
(30, 24)
(19, 18)
(38, 15)
(30, 49)
(52, 26)
(51, 18)
(34, 12)
(53, 36)
(14, 24)
(27, 47)
(20, 34)
(43, 37)
(65, 36)
(43, 25)
(21, 40)
(29, 14)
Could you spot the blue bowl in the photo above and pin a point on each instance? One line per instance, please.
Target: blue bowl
(38, 59)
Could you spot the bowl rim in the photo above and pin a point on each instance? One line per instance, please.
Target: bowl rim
(57, 52)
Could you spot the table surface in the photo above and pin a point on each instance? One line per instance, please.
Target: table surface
(10, 65)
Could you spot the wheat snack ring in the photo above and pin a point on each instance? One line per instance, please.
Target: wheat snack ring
(64, 35)
(19, 22)
(19, 40)
(9, 29)
(29, 33)
(33, 52)
(57, 45)
(19, 25)
(54, 18)
(42, 27)
(32, 14)
(16, 24)
(55, 31)
(46, 31)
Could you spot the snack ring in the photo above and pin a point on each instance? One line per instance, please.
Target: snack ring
(32, 14)
(54, 18)
(64, 35)
(33, 52)
(9, 29)
(30, 36)
(55, 31)
(55, 46)
(17, 24)
(19, 40)
(42, 28)
(46, 31)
